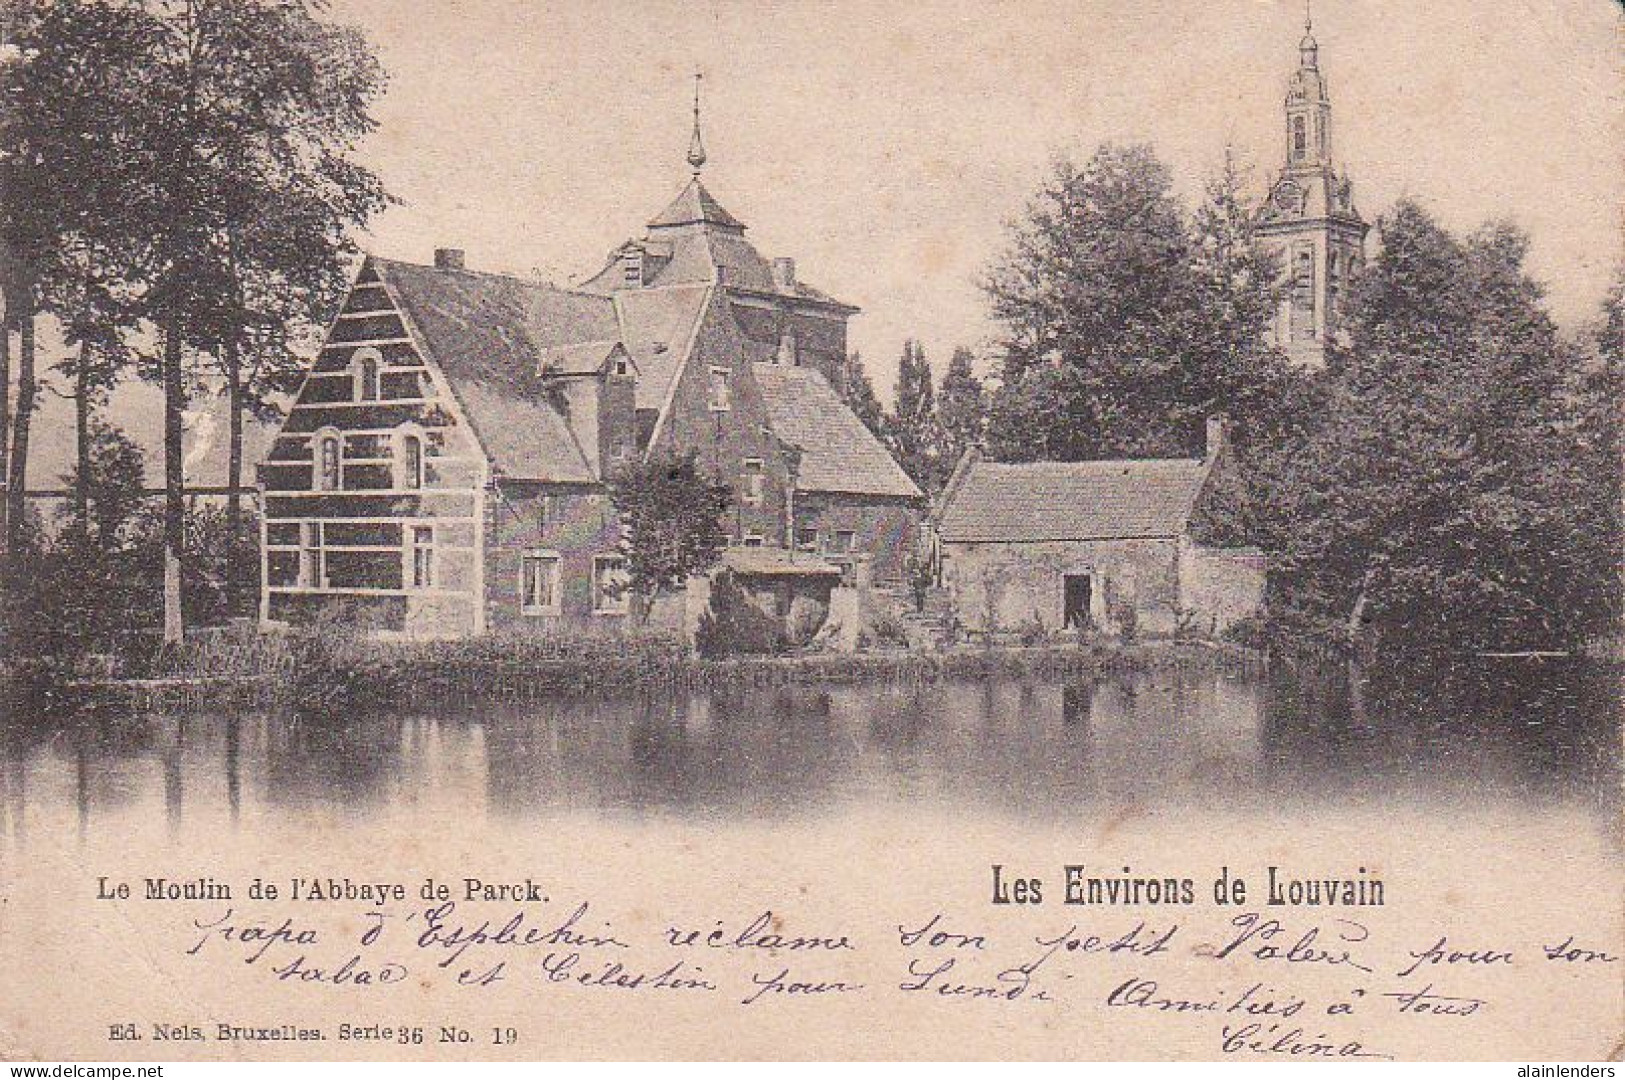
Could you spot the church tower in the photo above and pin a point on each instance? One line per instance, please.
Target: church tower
(1310, 217)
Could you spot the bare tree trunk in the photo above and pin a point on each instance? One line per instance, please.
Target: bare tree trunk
(174, 486)
(234, 476)
(17, 488)
(5, 432)
(81, 438)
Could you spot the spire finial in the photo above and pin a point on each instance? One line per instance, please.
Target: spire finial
(696, 148)
(1308, 18)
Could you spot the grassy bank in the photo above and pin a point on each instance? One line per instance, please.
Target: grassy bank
(330, 672)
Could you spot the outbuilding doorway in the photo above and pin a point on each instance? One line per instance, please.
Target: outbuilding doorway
(1079, 590)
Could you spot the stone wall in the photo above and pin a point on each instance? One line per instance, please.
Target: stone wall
(1220, 586)
(883, 530)
(1010, 586)
(575, 521)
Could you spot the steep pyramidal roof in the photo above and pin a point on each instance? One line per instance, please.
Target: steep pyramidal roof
(695, 206)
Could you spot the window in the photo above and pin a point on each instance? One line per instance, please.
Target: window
(719, 396)
(364, 368)
(842, 544)
(312, 566)
(753, 482)
(423, 556)
(752, 540)
(807, 539)
(1300, 138)
(539, 583)
(620, 366)
(409, 475)
(609, 592)
(329, 460)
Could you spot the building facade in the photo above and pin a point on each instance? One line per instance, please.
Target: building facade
(1092, 546)
(1310, 218)
(443, 470)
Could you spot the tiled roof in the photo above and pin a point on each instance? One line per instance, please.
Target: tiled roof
(838, 453)
(1079, 500)
(488, 334)
(656, 325)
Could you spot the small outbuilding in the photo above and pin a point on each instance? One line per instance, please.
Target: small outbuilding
(1105, 546)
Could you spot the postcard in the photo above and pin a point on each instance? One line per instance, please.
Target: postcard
(1013, 531)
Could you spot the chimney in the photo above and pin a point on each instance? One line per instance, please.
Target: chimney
(1216, 426)
(448, 258)
(784, 274)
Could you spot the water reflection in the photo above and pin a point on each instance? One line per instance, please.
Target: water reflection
(1026, 747)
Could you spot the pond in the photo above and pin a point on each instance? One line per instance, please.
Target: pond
(1524, 735)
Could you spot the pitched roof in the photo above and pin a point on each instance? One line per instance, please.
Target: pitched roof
(695, 206)
(488, 333)
(838, 452)
(1075, 500)
(656, 325)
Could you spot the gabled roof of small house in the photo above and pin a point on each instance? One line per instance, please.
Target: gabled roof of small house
(993, 502)
(488, 334)
(838, 453)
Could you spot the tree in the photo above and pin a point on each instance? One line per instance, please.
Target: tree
(1445, 496)
(961, 417)
(673, 522)
(911, 425)
(1124, 323)
(251, 118)
(852, 385)
(66, 187)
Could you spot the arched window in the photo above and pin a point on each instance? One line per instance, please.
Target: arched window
(409, 459)
(364, 369)
(1300, 138)
(328, 460)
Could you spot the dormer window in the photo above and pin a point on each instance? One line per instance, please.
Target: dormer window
(365, 366)
(327, 460)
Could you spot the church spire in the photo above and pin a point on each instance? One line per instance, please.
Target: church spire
(1308, 48)
(696, 148)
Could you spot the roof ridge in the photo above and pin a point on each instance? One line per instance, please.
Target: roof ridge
(532, 282)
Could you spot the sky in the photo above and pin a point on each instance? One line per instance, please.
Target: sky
(887, 146)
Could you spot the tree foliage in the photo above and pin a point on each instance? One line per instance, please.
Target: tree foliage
(185, 167)
(1126, 322)
(1450, 492)
(852, 384)
(673, 521)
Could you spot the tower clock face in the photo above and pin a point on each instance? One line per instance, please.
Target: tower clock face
(1288, 196)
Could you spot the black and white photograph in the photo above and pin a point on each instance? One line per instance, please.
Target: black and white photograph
(1025, 531)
